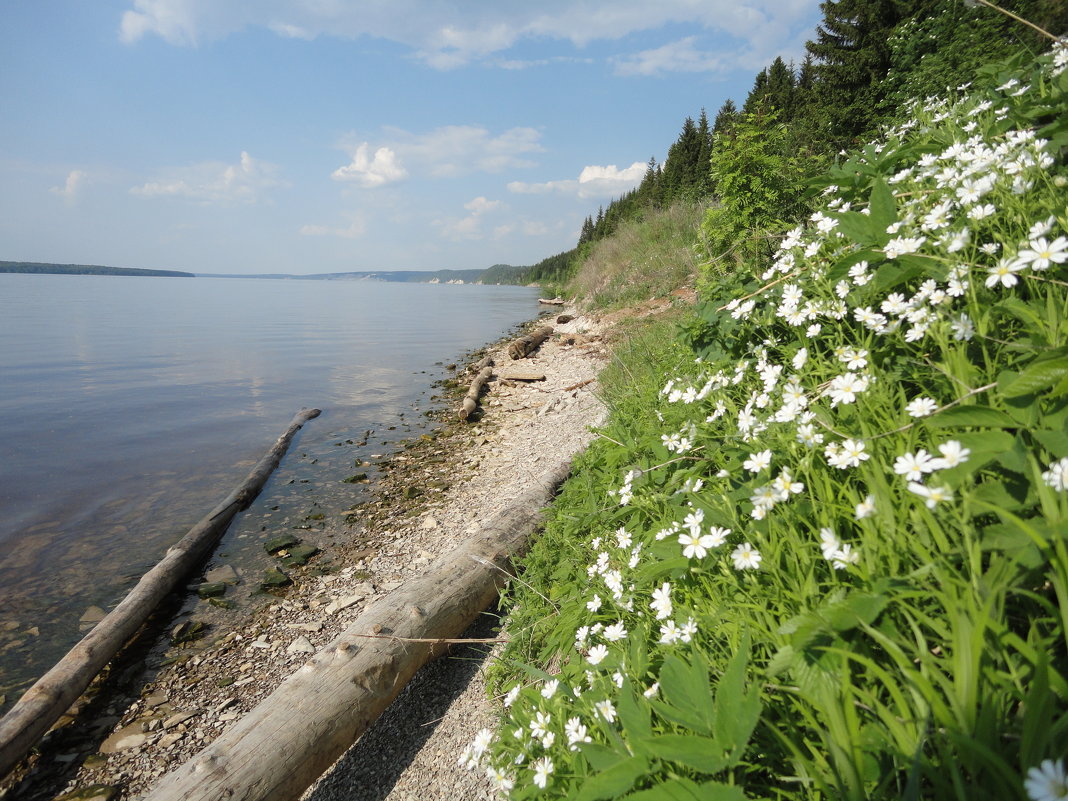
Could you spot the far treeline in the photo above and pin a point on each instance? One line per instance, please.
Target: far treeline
(868, 60)
(40, 268)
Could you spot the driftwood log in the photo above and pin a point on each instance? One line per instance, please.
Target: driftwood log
(285, 743)
(60, 687)
(470, 402)
(524, 346)
(552, 301)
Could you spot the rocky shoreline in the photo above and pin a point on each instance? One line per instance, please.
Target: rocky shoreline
(430, 496)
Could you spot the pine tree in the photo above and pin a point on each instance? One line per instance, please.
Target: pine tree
(703, 183)
(780, 86)
(852, 57)
(756, 95)
(682, 164)
(725, 118)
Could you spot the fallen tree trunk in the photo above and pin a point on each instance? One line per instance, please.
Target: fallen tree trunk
(552, 301)
(282, 746)
(471, 399)
(524, 346)
(60, 687)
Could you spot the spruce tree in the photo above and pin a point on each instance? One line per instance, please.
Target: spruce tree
(725, 118)
(852, 57)
(703, 182)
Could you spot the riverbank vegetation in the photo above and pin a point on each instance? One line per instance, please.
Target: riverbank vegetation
(819, 549)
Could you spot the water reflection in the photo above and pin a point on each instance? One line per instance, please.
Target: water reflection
(130, 407)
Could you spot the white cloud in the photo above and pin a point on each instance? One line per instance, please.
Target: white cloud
(355, 229)
(593, 181)
(469, 227)
(449, 35)
(446, 152)
(72, 187)
(382, 169)
(680, 56)
(215, 182)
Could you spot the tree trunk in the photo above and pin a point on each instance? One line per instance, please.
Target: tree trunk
(524, 346)
(54, 692)
(283, 745)
(471, 399)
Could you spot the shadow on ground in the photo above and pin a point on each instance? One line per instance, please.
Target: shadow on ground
(371, 769)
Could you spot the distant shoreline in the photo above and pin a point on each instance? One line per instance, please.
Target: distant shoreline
(497, 274)
(41, 268)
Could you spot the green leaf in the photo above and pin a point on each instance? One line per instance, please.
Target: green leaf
(601, 757)
(1037, 376)
(737, 712)
(684, 716)
(685, 686)
(894, 273)
(881, 205)
(703, 754)
(858, 227)
(858, 609)
(634, 715)
(971, 416)
(676, 789)
(717, 791)
(1056, 442)
(614, 781)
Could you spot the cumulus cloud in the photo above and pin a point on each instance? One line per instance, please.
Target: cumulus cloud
(450, 35)
(72, 187)
(445, 152)
(215, 182)
(593, 181)
(370, 172)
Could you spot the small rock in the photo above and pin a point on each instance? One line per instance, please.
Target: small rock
(178, 718)
(301, 645)
(226, 574)
(280, 543)
(274, 578)
(94, 792)
(429, 523)
(129, 736)
(170, 738)
(92, 615)
(312, 627)
(211, 589)
(299, 555)
(343, 603)
(155, 699)
(411, 493)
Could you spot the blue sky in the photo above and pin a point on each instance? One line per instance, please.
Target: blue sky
(304, 136)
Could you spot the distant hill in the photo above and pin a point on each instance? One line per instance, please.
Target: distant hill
(505, 274)
(83, 269)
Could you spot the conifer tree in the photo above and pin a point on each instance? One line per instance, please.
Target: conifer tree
(852, 57)
(725, 118)
(703, 182)
(682, 164)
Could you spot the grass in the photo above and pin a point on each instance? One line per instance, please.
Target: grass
(646, 258)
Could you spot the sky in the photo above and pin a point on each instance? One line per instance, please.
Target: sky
(310, 136)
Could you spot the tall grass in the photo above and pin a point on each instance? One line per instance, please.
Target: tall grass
(647, 257)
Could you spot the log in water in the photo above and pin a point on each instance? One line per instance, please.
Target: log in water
(54, 692)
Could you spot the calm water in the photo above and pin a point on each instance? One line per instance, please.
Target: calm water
(130, 406)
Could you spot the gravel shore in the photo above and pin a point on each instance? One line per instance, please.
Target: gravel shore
(411, 751)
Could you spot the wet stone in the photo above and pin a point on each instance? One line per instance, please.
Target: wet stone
(280, 543)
